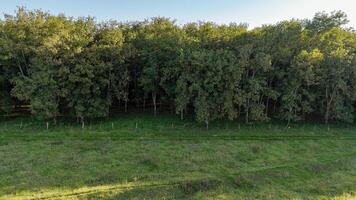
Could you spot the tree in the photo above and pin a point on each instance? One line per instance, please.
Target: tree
(29, 59)
(299, 96)
(335, 91)
(109, 48)
(254, 87)
(40, 88)
(294, 70)
(334, 75)
(208, 81)
(283, 42)
(160, 53)
(5, 76)
(323, 21)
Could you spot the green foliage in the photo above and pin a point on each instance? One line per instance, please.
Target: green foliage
(297, 100)
(293, 70)
(210, 84)
(323, 21)
(160, 52)
(40, 88)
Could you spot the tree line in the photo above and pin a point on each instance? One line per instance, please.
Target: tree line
(292, 70)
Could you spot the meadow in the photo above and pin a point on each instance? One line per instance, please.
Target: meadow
(142, 157)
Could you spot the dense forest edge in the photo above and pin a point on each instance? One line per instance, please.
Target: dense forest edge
(296, 70)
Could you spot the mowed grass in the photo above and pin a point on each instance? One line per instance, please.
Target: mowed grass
(141, 157)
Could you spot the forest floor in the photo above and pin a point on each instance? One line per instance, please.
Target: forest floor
(141, 157)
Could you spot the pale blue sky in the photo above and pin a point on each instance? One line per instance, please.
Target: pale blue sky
(253, 12)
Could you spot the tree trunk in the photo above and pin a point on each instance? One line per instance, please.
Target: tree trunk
(138, 103)
(181, 114)
(144, 104)
(290, 111)
(246, 117)
(82, 121)
(154, 104)
(268, 98)
(247, 109)
(20, 68)
(207, 124)
(267, 103)
(160, 105)
(171, 108)
(326, 117)
(126, 106)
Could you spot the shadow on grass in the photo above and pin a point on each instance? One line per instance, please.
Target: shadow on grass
(304, 181)
(112, 160)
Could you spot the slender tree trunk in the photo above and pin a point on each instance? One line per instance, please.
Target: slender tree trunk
(326, 117)
(21, 71)
(82, 121)
(154, 104)
(290, 111)
(19, 66)
(126, 106)
(25, 60)
(160, 105)
(207, 124)
(171, 108)
(247, 110)
(246, 117)
(328, 102)
(138, 103)
(267, 102)
(144, 104)
(181, 114)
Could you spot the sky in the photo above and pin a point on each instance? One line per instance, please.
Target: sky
(253, 12)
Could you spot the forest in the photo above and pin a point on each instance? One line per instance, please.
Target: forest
(155, 109)
(77, 67)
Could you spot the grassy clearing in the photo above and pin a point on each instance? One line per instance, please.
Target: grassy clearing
(139, 157)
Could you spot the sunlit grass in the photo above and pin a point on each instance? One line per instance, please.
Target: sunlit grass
(165, 158)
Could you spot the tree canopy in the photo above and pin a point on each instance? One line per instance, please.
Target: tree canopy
(292, 70)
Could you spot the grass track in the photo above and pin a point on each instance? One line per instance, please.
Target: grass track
(246, 162)
(176, 183)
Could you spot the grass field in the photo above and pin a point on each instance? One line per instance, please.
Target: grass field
(140, 157)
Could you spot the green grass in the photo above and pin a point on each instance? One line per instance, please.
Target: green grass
(141, 157)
